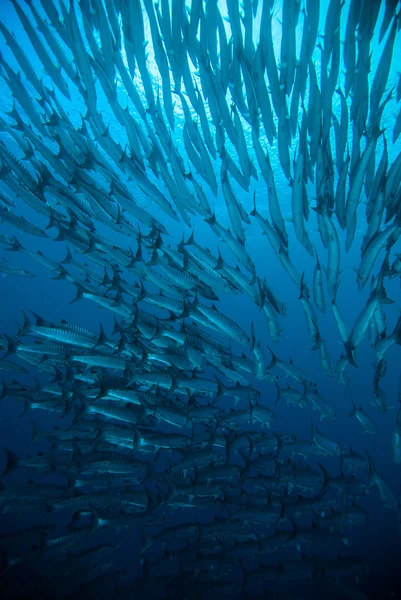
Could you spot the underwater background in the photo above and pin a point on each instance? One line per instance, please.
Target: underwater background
(39, 569)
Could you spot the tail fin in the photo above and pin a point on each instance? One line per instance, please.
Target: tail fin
(220, 388)
(11, 347)
(254, 212)
(12, 462)
(80, 291)
(211, 220)
(189, 241)
(247, 467)
(397, 332)
(101, 340)
(68, 259)
(326, 479)
(273, 360)
(278, 391)
(373, 476)
(16, 245)
(349, 349)
(353, 412)
(25, 327)
(380, 290)
(62, 273)
(36, 433)
(154, 260)
(220, 262)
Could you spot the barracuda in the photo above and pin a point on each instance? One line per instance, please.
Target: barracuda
(150, 119)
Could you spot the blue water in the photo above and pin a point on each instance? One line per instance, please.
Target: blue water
(379, 539)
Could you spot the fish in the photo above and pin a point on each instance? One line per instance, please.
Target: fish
(324, 442)
(377, 297)
(318, 293)
(387, 496)
(10, 269)
(365, 420)
(140, 176)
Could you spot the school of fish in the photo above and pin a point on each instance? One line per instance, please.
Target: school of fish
(150, 118)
